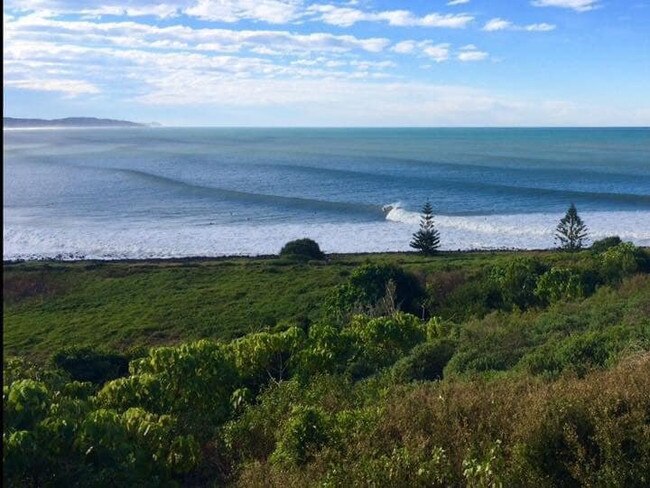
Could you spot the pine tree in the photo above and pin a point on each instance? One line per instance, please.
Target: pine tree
(427, 239)
(571, 232)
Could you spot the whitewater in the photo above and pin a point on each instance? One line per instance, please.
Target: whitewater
(180, 192)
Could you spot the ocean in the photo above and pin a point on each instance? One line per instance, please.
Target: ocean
(176, 192)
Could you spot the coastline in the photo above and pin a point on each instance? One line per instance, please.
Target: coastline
(277, 257)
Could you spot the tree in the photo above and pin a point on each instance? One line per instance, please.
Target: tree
(571, 232)
(427, 239)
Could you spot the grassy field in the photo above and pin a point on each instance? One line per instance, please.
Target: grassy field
(48, 305)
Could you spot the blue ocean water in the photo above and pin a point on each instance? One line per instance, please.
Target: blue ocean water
(162, 192)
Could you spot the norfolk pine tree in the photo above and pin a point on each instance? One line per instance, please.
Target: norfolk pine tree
(427, 239)
(571, 232)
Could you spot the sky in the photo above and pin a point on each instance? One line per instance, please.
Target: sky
(330, 62)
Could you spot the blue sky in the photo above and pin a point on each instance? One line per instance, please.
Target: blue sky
(331, 63)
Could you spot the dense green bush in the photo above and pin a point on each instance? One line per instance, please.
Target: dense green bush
(605, 243)
(304, 433)
(57, 436)
(623, 260)
(517, 280)
(302, 249)
(379, 342)
(425, 362)
(563, 284)
(193, 381)
(383, 288)
(87, 364)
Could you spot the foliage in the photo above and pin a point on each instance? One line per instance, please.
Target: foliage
(120, 305)
(57, 436)
(622, 260)
(562, 284)
(571, 232)
(427, 239)
(368, 285)
(545, 383)
(304, 433)
(87, 364)
(302, 249)
(517, 281)
(194, 381)
(605, 243)
(425, 362)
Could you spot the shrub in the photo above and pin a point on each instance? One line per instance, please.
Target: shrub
(379, 342)
(495, 343)
(327, 351)
(425, 362)
(194, 381)
(303, 249)
(265, 356)
(87, 364)
(605, 243)
(623, 260)
(367, 287)
(306, 431)
(475, 298)
(562, 284)
(517, 281)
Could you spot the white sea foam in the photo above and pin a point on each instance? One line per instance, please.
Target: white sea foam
(75, 240)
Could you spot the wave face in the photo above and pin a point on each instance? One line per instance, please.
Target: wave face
(171, 192)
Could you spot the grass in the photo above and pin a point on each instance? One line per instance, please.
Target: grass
(49, 305)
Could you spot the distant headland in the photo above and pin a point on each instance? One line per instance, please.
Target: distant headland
(17, 123)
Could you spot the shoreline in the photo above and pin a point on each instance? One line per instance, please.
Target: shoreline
(268, 257)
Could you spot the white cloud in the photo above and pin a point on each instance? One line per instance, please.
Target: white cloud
(133, 34)
(346, 17)
(161, 10)
(498, 24)
(107, 7)
(542, 27)
(404, 47)
(471, 53)
(271, 11)
(577, 5)
(438, 52)
(457, 2)
(65, 86)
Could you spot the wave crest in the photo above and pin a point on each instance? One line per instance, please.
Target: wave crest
(395, 213)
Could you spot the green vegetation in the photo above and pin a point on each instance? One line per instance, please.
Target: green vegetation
(305, 249)
(477, 369)
(605, 243)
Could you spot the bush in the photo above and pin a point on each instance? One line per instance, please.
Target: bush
(87, 364)
(306, 431)
(303, 249)
(517, 281)
(368, 286)
(562, 284)
(425, 362)
(622, 260)
(604, 244)
(379, 342)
